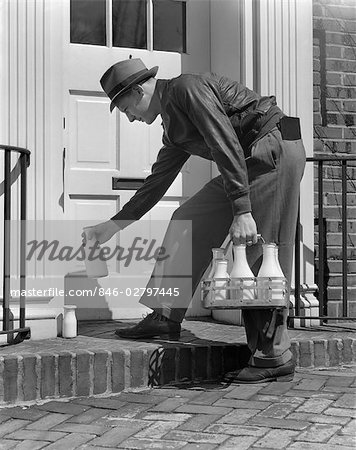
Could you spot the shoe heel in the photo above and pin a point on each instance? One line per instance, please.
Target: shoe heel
(288, 377)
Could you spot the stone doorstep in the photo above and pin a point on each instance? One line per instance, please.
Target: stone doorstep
(83, 366)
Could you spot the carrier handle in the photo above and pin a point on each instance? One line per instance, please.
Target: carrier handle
(259, 237)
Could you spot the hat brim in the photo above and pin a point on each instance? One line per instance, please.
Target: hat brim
(149, 74)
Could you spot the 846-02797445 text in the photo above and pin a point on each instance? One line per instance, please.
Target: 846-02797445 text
(137, 292)
(97, 291)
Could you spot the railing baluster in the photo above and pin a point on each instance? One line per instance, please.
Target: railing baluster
(7, 237)
(297, 265)
(321, 233)
(23, 160)
(344, 236)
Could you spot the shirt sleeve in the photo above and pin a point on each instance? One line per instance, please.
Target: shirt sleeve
(169, 162)
(201, 102)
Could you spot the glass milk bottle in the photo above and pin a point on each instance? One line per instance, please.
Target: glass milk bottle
(277, 261)
(241, 272)
(281, 289)
(95, 265)
(218, 253)
(270, 268)
(69, 327)
(221, 278)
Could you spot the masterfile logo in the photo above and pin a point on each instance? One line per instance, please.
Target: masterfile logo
(147, 251)
(58, 247)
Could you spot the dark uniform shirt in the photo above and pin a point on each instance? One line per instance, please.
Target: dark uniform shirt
(212, 117)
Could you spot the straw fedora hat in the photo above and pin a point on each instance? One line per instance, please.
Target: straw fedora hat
(124, 74)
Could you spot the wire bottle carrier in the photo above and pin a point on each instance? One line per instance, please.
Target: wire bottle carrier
(269, 292)
(246, 292)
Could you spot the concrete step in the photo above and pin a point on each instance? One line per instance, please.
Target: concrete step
(98, 363)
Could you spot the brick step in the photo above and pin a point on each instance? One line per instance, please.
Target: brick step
(335, 239)
(335, 280)
(78, 372)
(335, 293)
(336, 253)
(335, 212)
(335, 226)
(335, 266)
(334, 185)
(335, 199)
(83, 366)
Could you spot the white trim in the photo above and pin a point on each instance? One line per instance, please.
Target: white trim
(150, 25)
(109, 28)
(248, 47)
(4, 76)
(53, 145)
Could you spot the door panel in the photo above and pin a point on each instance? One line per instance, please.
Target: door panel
(91, 116)
(92, 151)
(92, 133)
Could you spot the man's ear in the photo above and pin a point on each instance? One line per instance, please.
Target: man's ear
(137, 89)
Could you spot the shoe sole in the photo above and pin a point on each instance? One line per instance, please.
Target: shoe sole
(173, 337)
(282, 378)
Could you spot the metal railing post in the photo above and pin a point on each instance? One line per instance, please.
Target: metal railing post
(321, 233)
(297, 265)
(23, 212)
(7, 237)
(344, 235)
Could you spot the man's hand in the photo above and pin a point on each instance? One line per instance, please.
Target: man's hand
(243, 230)
(101, 232)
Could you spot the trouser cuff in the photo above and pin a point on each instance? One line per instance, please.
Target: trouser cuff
(276, 361)
(175, 314)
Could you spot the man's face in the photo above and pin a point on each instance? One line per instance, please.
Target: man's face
(136, 105)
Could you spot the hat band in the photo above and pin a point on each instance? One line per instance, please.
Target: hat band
(119, 87)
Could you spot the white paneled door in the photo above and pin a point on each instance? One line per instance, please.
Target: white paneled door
(101, 147)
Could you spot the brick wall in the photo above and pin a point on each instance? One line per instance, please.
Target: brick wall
(334, 42)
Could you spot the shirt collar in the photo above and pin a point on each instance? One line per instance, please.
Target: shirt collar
(160, 87)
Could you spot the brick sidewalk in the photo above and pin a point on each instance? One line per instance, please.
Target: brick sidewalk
(316, 411)
(96, 362)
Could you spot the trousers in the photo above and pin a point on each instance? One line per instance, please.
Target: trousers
(275, 168)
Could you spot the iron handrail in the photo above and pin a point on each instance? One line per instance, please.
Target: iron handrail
(24, 156)
(326, 157)
(323, 314)
(11, 148)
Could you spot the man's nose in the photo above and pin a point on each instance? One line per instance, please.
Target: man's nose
(131, 117)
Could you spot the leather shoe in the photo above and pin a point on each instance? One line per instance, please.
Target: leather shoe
(253, 374)
(153, 325)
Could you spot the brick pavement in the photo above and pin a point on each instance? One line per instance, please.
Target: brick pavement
(317, 410)
(96, 362)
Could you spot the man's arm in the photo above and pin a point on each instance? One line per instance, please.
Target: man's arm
(169, 162)
(164, 171)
